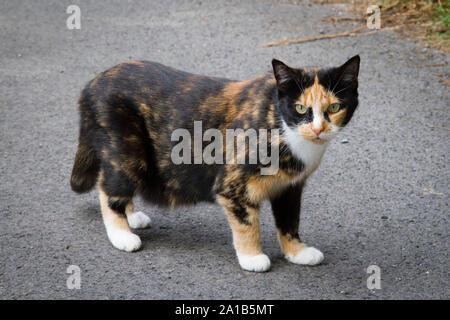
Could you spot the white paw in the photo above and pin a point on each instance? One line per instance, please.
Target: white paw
(138, 220)
(309, 256)
(256, 263)
(123, 239)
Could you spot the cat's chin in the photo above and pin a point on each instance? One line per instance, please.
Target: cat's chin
(319, 141)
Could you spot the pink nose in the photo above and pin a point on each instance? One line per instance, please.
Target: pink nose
(317, 131)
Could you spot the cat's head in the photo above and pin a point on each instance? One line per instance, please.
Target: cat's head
(317, 103)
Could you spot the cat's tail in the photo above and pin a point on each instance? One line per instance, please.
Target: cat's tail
(87, 164)
(85, 169)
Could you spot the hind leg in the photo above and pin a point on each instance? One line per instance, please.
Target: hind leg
(116, 193)
(116, 224)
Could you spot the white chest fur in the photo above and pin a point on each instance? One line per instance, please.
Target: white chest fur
(308, 152)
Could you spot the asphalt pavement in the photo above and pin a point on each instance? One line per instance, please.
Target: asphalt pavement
(380, 196)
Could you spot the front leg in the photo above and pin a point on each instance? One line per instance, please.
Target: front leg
(244, 222)
(286, 210)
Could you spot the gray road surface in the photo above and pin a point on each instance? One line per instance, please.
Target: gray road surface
(380, 199)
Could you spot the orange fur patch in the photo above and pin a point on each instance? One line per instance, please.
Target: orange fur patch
(319, 99)
(317, 94)
(109, 216)
(338, 117)
(289, 245)
(246, 237)
(262, 187)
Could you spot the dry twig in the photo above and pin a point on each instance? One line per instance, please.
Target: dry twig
(439, 127)
(305, 39)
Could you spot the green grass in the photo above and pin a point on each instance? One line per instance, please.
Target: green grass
(437, 12)
(441, 14)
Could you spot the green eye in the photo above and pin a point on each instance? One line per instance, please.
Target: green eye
(300, 108)
(333, 108)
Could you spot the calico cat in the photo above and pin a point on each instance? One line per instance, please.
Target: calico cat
(129, 113)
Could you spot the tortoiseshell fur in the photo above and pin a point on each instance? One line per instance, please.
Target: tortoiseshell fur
(129, 112)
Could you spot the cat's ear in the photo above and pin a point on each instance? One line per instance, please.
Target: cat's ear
(348, 72)
(283, 74)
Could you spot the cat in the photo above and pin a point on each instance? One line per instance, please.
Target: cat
(127, 117)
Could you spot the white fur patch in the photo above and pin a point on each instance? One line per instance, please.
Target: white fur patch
(306, 151)
(308, 256)
(138, 220)
(317, 116)
(123, 239)
(255, 263)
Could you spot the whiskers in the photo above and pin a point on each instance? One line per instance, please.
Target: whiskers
(335, 93)
(339, 80)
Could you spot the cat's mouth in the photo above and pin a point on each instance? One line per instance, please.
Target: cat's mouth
(318, 140)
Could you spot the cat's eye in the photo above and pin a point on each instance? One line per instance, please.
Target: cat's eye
(301, 108)
(333, 108)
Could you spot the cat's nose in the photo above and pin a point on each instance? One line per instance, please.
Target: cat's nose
(317, 131)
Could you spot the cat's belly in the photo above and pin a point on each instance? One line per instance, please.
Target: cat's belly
(183, 185)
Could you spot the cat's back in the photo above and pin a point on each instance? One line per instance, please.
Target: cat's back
(151, 79)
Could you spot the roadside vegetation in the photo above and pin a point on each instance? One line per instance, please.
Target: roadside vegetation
(425, 20)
